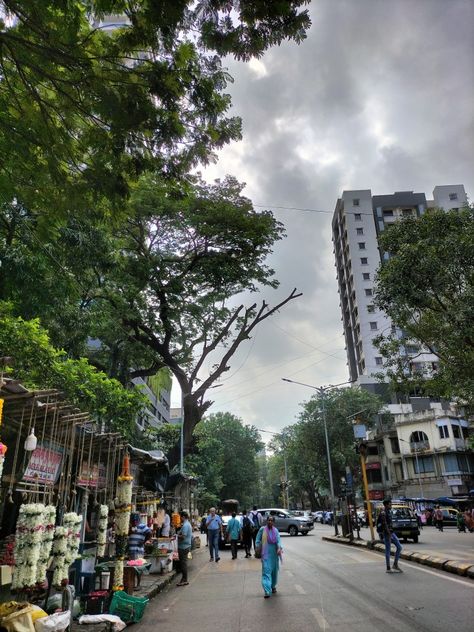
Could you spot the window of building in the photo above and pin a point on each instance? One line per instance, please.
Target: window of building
(366, 276)
(412, 349)
(378, 361)
(358, 217)
(456, 431)
(360, 231)
(355, 202)
(388, 213)
(361, 245)
(407, 212)
(364, 261)
(453, 196)
(395, 445)
(372, 450)
(443, 432)
(368, 291)
(465, 432)
(418, 436)
(450, 463)
(373, 325)
(374, 476)
(423, 464)
(371, 309)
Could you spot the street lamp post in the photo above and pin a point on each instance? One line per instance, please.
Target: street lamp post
(321, 390)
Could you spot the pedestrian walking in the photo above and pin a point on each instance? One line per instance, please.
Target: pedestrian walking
(214, 529)
(247, 530)
(268, 547)
(185, 536)
(257, 521)
(460, 522)
(165, 529)
(385, 528)
(233, 534)
(439, 518)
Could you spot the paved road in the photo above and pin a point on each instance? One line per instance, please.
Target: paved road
(323, 586)
(449, 543)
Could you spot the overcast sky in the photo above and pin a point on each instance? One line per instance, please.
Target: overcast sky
(379, 96)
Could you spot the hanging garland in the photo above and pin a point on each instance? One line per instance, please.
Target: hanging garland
(49, 518)
(72, 522)
(66, 547)
(61, 568)
(102, 530)
(28, 538)
(123, 507)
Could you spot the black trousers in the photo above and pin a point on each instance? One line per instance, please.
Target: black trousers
(247, 540)
(233, 548)
(183, 563)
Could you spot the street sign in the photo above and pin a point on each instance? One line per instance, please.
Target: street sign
(360, 431)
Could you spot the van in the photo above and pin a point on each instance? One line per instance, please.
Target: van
(404, 522)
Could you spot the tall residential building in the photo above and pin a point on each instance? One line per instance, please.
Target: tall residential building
(359, 218)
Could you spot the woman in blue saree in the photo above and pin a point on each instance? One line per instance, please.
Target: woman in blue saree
(268, 542)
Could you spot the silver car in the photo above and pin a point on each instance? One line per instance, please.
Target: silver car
(287, 522)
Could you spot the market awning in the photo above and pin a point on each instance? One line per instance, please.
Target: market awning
(149, 456)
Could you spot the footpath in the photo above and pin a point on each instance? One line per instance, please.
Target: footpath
(151, 585)
(441, 562)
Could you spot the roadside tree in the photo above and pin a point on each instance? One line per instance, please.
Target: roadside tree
(427, 288)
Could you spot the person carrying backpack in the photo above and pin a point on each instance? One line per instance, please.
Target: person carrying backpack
(256, 519)
(247, 530)
(385, 529)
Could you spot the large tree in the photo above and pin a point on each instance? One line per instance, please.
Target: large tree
(427, 288)
(160, 288)
(225, 459)
(84, 110)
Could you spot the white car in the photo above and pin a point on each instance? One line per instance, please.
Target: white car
(318, 516)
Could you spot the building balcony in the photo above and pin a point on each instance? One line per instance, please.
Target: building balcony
(419, 446)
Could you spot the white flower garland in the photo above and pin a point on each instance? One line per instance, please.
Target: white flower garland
(61, 567)
(66, 547)
(28, 538)
(102, 530)
(49, 518)
(72, 522)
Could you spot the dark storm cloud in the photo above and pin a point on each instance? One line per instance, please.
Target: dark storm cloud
(379, 96)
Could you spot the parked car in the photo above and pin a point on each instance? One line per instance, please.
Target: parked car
(318, 516)
(287, 522)
(303, 514)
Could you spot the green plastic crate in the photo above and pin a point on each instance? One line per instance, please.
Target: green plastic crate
(128, 608)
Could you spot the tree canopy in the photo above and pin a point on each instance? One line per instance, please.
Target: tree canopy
(305, 446)
(225, 460)
(427, 288)
(39, 365)
(85, 108)
(155, 290)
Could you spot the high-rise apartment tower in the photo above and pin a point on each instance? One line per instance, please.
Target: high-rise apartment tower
(359, 218)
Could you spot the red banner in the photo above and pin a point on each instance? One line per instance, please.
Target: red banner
(376, 495)
(373, 466)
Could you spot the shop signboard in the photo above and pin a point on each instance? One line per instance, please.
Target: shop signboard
(44, 465)
(372, 466)
(376, 494)
(91, 475)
